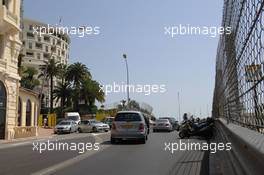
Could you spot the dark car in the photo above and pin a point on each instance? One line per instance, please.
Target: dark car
(109, 121)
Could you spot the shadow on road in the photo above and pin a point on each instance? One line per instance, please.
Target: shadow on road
(123, 142)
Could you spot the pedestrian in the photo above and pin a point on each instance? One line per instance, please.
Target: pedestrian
(45, 122)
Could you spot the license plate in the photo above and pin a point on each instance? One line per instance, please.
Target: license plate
(127, 126)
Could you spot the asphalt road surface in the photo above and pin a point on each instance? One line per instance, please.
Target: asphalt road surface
(131, 158)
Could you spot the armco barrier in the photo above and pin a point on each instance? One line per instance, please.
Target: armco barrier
(247, 147)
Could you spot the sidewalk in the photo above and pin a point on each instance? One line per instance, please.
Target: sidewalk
(42, 133)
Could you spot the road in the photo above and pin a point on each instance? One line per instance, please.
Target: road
(133, 158)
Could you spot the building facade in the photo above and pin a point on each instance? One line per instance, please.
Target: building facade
(10, 46)
(39, 48)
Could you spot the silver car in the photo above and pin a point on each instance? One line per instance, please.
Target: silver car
(93, 126)
(162, 125)
(129, 125)
(66, 126)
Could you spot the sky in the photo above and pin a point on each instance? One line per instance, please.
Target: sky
(184, 64)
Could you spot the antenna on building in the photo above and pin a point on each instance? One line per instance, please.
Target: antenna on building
(60, 20)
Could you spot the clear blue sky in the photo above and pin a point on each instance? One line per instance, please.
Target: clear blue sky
(185, 63)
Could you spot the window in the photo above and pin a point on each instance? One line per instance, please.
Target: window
(46, 39)
(30, 45)
(38, 46)
(58, 42)
(30, 27)
(38, 56)
(30, 54)
(47, 48)
(6, 3)
(28, 113)
(30, 35)
(53, 49)
(39, 39)
(127, 117)
(46, 55)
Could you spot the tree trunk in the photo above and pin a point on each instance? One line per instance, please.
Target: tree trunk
(51, 94)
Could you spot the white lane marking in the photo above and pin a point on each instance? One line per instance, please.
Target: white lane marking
(51, 138)
(71, 161)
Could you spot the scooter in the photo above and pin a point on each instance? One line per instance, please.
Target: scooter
(189, 128)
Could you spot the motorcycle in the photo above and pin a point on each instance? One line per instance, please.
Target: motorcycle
(189, 128)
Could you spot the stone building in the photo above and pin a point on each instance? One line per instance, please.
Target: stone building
(19, 107)
(10, 46)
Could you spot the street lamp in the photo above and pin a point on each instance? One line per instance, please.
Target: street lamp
(128, 100)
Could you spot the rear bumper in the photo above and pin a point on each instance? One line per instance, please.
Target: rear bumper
(128, 136)
(102, 129)
(62, 130)
(162, 128)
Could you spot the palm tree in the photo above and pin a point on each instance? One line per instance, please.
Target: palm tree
(63, 92)
(49, 71)
(76, 73)
(91, 91)
(28, 79)
(62, 72)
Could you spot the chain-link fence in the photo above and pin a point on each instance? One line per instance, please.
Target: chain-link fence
(239, 85)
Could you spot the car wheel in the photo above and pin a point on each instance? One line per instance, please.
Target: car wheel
(181, 134)
(79, 130)
(94, 129)
(154, 130)
(113, 141)
(143, 141)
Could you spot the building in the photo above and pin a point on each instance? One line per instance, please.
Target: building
(39, 48)
(27, 113)
(10, 46)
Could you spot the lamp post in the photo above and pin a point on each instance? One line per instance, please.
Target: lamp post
(179, 106)
(128, 100)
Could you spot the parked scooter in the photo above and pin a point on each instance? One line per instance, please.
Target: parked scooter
(190, 128)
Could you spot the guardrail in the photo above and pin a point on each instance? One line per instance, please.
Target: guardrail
(247, 154)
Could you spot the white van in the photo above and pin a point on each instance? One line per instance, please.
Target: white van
(75, 116)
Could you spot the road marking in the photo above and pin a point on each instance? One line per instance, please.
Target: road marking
(97, 134)
(71, 161)
(51, 138)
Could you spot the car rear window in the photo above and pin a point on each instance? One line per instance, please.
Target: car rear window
(127, 117)
(162, 120)
(65, 123)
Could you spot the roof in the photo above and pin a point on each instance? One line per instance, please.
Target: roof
(34, 93)
(138, 112)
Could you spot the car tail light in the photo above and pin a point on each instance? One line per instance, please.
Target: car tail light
(141, 127)
(167, 124)
(113, 126)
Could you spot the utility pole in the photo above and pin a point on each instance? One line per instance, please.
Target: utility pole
(179, 106)
(128, 99)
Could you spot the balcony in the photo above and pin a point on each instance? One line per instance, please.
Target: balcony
(9, 22)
